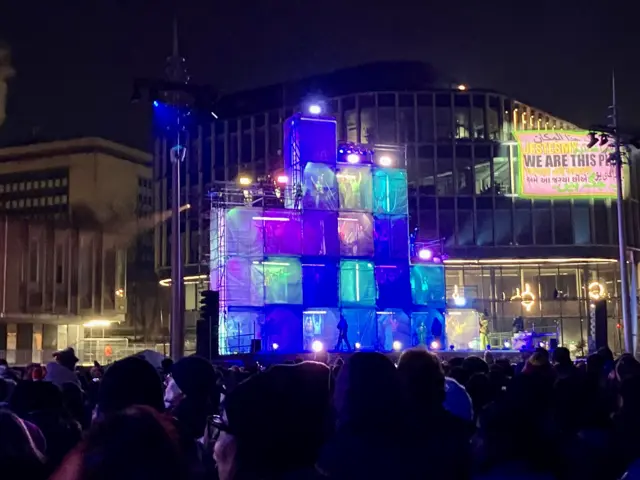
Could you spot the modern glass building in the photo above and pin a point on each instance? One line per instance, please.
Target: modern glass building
(508, 256)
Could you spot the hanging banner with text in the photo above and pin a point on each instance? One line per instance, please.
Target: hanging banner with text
(559, 165)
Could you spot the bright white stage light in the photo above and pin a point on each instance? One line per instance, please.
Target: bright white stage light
(353, 158)
(282, 179)
(507, 344)
(435, 345)
(397, 346)
(385, 161)
(425, 254)
(317, 346)
(315, 109)
(275, 346)
(358, 346)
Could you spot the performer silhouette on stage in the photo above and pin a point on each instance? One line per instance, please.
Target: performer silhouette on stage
(343, 330)
(518, 325)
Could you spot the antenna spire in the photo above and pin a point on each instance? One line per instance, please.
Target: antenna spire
(176, 69)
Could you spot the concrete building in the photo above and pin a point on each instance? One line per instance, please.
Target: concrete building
(73, 219)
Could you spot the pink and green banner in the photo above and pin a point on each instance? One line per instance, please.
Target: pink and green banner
(558, 164)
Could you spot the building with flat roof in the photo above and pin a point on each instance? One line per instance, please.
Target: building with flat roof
(73, 215)
(468, 194)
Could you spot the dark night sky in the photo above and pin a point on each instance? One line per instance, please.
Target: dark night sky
(75, 59)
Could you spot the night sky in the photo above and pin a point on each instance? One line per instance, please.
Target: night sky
(76, 59)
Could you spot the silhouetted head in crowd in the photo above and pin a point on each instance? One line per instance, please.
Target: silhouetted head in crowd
(562, 356)
(67, 358)
(134, 443)
(538, 363)
(37, 373)
(500, 439)
(166, 365)
(422, 377)
(367, 397)
(507, 367)
(192, 393)
(19, 456)
(481, 390)
(42, 404)
(606, 354)
(30, 397)
(192, 378)
(273, 423)
(595, 364)
(489, 358)
(455, 362)
(128, 382)
(459, 374)
(627, 367)
(474, 364)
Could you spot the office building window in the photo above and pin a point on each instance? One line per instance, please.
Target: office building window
(444, 121)
(34, 258)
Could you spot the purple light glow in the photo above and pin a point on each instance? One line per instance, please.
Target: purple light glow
(271, 219)
(425, 254)
(353, 158)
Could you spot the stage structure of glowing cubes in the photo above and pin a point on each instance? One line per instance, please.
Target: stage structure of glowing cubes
(338, 247)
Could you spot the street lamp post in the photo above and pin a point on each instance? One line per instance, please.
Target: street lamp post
(177, 155)
(612, 131)
(622, 238)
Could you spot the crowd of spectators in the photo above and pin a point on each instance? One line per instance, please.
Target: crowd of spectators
(545, 417)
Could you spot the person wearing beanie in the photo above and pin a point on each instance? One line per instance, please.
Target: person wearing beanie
(127, 382)
(192, 393)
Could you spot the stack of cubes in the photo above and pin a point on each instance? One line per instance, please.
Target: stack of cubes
(340, 248)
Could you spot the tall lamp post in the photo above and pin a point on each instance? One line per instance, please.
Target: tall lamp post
(177, 155)
(185, 99)
(622, 237)
(613, 130)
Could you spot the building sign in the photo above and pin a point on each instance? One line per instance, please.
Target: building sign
(558, 164)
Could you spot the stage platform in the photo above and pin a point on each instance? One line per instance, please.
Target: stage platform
(266, 359)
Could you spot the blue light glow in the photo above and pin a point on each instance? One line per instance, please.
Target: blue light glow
(155, 103)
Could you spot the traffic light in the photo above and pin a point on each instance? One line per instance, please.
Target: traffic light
(207, 325)
(209, 304)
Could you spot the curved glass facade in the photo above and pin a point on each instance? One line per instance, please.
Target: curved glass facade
(460, 154)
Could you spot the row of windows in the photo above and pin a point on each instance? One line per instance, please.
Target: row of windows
(33, 185)
(254, 144)
(468, 223)
(523, 116)
(34, 202)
